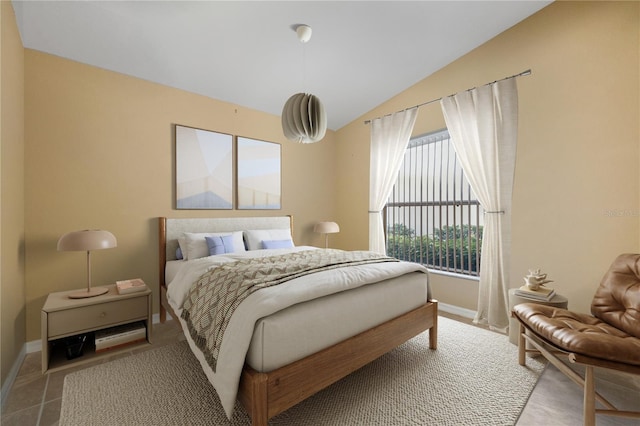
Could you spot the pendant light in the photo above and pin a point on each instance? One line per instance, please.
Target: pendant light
(303, 117)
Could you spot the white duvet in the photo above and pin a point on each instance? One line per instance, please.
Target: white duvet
(265, 302)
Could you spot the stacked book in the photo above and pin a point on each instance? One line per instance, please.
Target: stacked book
(542, 293)
(130, 286)
(110, 338)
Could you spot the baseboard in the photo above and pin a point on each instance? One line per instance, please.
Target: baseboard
(456, 310)
(8, 383)
(36, 345)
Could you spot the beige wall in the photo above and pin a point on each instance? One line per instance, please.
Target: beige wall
(100, 151)
(12, 290)
(578, 144)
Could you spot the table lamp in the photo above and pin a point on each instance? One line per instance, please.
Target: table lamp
(326, 228)
(87, 240)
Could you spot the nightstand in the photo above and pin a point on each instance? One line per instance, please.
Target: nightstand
(63, 318)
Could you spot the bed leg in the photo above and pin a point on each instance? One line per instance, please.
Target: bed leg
(433, 334)
(163, 314)
(433, 331)
(259, 412)
(163, 308)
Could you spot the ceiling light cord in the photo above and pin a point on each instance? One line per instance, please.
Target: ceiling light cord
(304, 119)
(304, 67)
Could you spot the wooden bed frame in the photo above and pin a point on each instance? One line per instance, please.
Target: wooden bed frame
(265, 395)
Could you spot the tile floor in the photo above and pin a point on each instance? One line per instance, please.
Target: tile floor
(557, 401)
(34, 399)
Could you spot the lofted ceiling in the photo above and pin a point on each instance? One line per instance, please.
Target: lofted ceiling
(247, 53)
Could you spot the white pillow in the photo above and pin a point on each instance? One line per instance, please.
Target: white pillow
(255, 237)
(196, 245)
(182, 243)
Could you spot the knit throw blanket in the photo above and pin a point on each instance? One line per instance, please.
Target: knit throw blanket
(214, 297)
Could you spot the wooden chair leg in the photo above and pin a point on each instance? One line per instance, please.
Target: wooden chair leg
(588, 382)
(589, 409)
(522, 346)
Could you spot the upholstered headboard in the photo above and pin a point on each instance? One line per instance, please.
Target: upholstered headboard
(170, 229)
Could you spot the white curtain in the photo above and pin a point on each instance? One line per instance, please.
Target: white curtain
(483, 124)
(389, 139)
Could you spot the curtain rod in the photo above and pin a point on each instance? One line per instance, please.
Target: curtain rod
(523, 73)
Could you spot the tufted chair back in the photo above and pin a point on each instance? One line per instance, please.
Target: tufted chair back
(617, 300)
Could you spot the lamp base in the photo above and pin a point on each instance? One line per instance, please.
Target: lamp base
(92, 292)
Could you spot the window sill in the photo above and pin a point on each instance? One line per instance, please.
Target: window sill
(454, 275)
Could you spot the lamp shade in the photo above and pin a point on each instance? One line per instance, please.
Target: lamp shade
(304, 119)
(87, 240)
(326, 228)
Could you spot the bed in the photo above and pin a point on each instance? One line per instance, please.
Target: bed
(307, 340)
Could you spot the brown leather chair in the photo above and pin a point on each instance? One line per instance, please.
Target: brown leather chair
(608, 339)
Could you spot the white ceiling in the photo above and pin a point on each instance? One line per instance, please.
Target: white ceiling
(245, 52)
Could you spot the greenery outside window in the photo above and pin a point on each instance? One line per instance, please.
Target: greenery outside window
(432, 216)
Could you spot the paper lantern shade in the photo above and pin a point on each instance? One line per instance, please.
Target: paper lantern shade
(304, 119)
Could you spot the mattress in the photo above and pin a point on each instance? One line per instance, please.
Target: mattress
(306, 328)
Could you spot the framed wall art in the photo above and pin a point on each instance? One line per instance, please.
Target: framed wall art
(259, 180)
(204, 169)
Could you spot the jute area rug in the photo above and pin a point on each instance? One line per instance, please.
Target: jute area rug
(473, 378)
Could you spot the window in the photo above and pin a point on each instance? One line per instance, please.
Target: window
(432, 216)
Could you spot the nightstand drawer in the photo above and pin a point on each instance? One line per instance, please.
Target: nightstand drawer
(96, 316)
